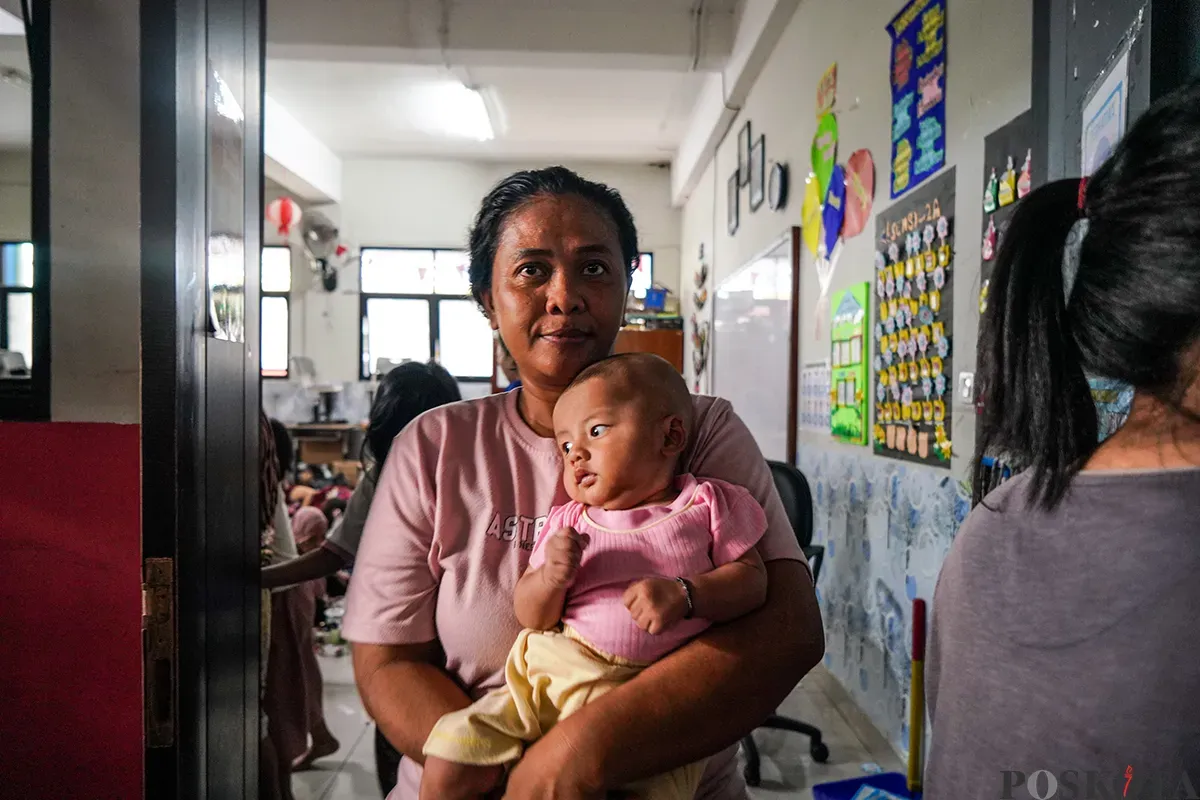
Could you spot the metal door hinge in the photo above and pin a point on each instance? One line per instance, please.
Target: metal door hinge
(158, 636)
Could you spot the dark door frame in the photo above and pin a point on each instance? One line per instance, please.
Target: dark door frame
(199, 449)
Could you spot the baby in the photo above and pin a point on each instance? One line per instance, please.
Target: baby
(641, 561)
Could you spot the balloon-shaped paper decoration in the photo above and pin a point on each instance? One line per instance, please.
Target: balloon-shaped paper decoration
(824, 150)
(810, 214)
(860, 192)
(835, 210)
(283, 212)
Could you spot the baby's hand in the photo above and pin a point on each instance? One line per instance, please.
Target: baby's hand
(564, 551)
(656, 604)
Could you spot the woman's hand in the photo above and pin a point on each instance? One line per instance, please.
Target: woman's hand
(552, 770)
(446, 780)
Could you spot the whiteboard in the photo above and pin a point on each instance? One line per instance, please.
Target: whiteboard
(752, 346)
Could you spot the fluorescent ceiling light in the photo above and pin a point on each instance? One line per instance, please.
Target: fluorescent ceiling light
(449, 108)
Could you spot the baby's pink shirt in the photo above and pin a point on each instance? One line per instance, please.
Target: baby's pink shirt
(708, 525)
(458, 506)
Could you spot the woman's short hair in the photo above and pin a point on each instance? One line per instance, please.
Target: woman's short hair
(404, 394)
(1132, 313)
(518, 189)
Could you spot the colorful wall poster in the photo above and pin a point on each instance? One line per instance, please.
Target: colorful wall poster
(918, 67)
(848, 362)
(814, 397)
(913, 378)
(1104, 116)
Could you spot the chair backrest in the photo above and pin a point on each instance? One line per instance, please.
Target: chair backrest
(797, 499)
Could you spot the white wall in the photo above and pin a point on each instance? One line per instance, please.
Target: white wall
(431, 203)
(886, 526)
(95, 212)
(14, 196)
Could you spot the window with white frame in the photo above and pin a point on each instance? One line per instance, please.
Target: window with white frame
(16, 299)
(416, 305)
(275, 311)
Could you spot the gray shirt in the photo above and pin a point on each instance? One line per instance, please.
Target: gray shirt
(347, 531)
(1069, 641)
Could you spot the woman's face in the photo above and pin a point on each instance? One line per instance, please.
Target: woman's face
(558, 288)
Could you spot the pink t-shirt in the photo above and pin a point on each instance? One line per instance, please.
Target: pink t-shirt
(708, 525)
(460, 502)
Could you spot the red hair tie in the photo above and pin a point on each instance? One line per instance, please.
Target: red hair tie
(1083, 182)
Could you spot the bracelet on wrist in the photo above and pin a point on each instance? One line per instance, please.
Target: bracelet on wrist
(687, 587)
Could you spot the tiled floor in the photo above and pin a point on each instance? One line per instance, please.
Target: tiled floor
(788, 772)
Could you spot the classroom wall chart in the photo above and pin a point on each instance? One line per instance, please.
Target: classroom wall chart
(912, 383)
(918, 79)
(848, 360)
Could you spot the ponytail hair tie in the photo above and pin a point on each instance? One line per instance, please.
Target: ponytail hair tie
(1083, 183)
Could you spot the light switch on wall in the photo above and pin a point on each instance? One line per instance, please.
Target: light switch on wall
(966, 387)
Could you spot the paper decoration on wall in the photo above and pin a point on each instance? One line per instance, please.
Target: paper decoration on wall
(824, 150)
(829, 246)
(827, 90)
(918, 79)
(912, 375)
(810, 214)
(699, 355)
(833, 212)
(860, 192)
(1001, 149)
(701, 328)
(815, 397)
(848, 360)
(1025, 182)
(1008, 185)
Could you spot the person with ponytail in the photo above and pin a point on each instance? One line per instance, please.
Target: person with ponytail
(1064, 632)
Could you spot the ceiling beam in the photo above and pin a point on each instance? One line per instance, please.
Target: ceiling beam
(759, 28)
(626, 34)
(296, 159)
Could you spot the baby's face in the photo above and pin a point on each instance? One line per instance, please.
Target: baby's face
(613, 451)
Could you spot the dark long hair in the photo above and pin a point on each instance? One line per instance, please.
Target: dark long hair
(404, 394)
(1133, 312)
(518, 189)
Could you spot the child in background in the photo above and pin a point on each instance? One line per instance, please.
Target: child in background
(641, 561)
(293, 696)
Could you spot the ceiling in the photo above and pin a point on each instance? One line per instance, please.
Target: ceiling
(564, 79)
(373, 109)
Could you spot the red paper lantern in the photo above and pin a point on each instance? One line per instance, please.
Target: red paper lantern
(283, 212)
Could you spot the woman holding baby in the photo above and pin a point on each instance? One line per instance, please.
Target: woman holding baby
(462, 505)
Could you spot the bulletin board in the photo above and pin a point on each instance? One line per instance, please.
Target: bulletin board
(849, 310)
(912, 381)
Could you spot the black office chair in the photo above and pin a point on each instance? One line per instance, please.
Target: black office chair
(797, 502)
